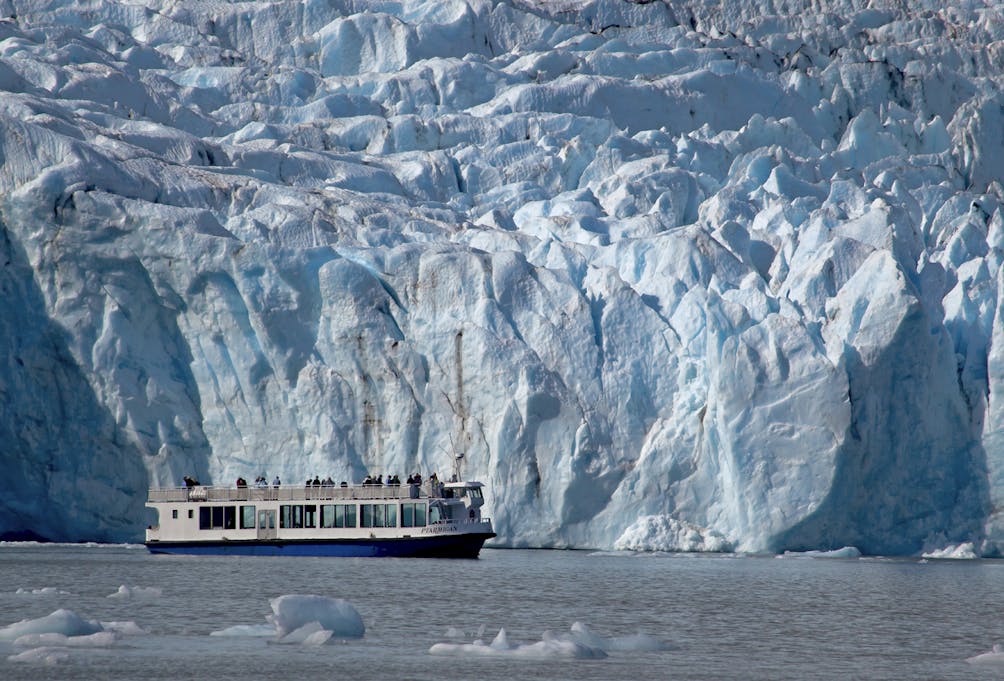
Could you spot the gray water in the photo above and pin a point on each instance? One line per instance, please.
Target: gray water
(725, 617)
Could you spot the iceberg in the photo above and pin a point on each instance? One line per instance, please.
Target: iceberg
(62, 624)
(307, 618)
(700, 277)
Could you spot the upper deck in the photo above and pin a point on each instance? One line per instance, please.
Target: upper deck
(293, 493)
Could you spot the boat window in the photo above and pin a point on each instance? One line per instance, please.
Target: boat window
(379, 515)
(338, 515)
(434, 514)
(345, 515)
(413, 515)
(217, 517)
(247, 517)
(310, 516)
(174, 514)
(191, 514)
(476, 493)
(291, 515)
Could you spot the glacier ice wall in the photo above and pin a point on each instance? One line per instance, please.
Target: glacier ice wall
(672, 275)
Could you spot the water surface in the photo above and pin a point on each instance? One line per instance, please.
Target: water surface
(725, 617)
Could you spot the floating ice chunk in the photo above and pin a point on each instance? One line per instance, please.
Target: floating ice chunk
(129, 628)
(101, 639)
(963, 551)
(137, 592)
(44, 591)
(336, 615)
(246, 630)
(46, 656)
(633, 642)
(845, 552)
(549, 647)
(994, 657)
(310, 634)
(453, 632)
(65, 622)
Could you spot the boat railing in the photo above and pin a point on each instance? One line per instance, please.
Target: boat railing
(285, 493)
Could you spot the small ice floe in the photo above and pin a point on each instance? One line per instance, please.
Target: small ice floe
(633, 642)
(310, 634)
(137, 593)
(292, 612)
(580, 643)
(64, 622)
(48, 639)
(45, 656)
(263, 630)
(101, 639)
(963, 551)
(845, 552)
(304, 620)
(128, 628)
(453, 632)
(994, 657)
(549, 647)
(44, 591)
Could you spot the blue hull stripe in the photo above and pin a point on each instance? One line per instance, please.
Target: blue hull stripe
(442, 546)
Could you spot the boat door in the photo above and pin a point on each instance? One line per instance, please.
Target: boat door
(266, 525)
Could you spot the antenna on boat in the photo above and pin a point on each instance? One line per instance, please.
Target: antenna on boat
(457, 460)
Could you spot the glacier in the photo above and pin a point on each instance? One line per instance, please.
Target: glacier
(680, 275)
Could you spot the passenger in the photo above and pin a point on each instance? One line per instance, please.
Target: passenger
(396, 480)
(262, 481)
(328, 482)
(379, 480)
(317, 481)
(367, 481)
(411, 479)
(241, 483)
(276, 483)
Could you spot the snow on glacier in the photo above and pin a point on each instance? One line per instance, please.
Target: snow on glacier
(688, 276)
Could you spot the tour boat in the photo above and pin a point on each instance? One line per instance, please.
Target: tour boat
(433, 519)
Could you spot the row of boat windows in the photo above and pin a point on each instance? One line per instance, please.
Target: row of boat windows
(314, 515)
